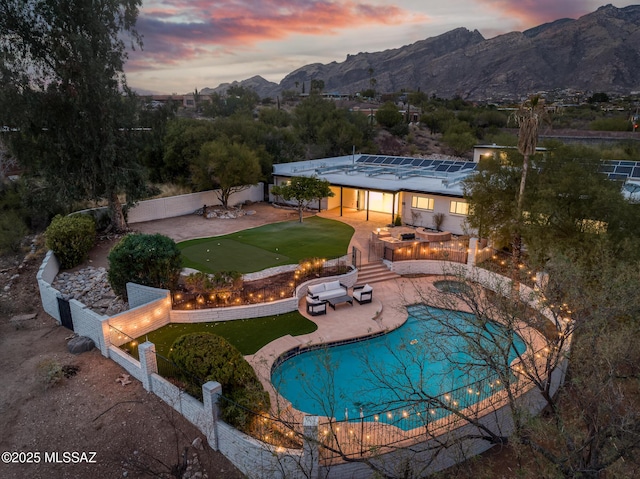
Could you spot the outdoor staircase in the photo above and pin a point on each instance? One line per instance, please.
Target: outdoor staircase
(374, 273)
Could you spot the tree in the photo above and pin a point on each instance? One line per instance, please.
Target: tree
(317, 85)
(181, 147)
(388, 115)
(327, 130)
(65, 91)
(228, 166)
(303, 190)
(491, 194)
(528, 118)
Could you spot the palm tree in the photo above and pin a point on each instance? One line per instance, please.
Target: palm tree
(528, 118)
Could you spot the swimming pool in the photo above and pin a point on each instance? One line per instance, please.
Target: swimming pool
(381, 378)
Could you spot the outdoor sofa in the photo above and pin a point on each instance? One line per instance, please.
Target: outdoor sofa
(324, 291)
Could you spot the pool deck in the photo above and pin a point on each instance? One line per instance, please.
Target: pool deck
(386, 312)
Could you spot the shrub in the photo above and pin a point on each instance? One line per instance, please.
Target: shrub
(150, 260)
(12, 231)
(398, 221)
(71, 238)
(50, 372)
(213, 358)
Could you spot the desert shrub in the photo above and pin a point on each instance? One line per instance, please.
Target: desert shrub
(220, 281)
(50, 372)
(12, 230)
(150, 260)
(71, 238)
(213, 358)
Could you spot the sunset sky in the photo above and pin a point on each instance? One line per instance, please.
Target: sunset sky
(190, 44)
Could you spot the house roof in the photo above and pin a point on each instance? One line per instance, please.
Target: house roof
(436, 174)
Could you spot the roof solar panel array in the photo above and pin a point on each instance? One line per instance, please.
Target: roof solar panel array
(621, 169)
(615, 169)
(416, 164)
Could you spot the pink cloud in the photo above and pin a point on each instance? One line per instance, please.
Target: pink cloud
(536, 12)
(178, 30)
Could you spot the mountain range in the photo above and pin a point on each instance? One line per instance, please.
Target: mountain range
(599, 51)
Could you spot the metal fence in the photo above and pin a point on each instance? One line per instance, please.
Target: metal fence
(409, 423)
(123, 341)
(179, 377)
(278, 430)
(501, 262)
(455, 251)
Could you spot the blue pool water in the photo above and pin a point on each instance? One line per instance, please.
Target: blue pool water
(384, 377)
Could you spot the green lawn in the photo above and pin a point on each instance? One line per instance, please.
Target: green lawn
(248, 335)
(271, 245)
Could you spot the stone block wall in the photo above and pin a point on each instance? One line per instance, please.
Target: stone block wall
(234, 312)
(89, 323)
(45, 276)
(144, 318)
(160, 208)
(131, 365)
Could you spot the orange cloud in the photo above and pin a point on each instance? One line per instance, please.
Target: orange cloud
(535, 12)
(178, 30)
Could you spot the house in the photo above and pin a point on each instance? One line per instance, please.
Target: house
(415, 189)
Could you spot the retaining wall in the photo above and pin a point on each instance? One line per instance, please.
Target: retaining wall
(159, 208)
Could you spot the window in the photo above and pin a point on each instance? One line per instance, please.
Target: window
(422, 203)
(459, 208)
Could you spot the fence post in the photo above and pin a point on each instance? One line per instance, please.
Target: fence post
(211, 391)
(310, 450)
(106, 337)
(148, 362)
(473, 250)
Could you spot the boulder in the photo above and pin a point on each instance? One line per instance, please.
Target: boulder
(80, 344)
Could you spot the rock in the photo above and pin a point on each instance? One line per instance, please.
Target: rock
(21, 321)
(197, 443)
(80, 344)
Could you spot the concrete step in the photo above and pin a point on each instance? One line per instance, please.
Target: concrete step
(375, 273)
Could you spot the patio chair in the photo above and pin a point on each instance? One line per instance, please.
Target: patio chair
(316, 307)
(363, 294)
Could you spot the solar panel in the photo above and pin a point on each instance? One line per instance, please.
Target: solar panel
(627, 163)
(442, 167)
(396, 161)
(378, 159)
(607, 168)
(469, 166)
(407, 161)
(636, 172)
(615, 176)
(426, 163)
(453, 168)
(624, 170)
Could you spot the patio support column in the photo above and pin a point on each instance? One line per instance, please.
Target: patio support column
(368, 205)
(393, 210)
(341, 201)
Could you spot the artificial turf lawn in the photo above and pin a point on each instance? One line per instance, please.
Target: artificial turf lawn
(267, 246)
(248, 335)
